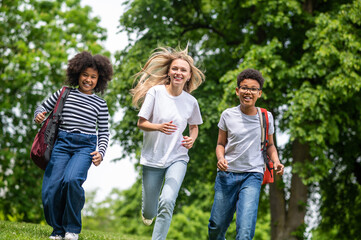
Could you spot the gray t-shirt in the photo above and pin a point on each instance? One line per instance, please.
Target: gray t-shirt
(243, 148)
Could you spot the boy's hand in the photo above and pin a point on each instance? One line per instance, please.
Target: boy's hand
(279, 168)
(222, 164)
(40, 117)
(97, 158)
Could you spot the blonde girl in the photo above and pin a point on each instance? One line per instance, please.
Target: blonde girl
(163, 90)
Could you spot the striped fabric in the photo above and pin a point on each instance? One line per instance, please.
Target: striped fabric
(82, 113)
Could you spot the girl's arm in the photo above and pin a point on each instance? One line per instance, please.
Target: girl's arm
(47, 106)
(103, 134)
(272, 153)
(39, 118)
(222, 163)
(166, 128)
(193, 134)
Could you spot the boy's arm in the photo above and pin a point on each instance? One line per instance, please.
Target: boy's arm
(222, 163)
(272, 153)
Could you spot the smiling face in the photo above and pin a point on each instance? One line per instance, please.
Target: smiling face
(246, 97)
(179, 73)
(88, 80)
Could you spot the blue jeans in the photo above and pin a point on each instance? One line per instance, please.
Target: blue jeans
(235, 192)
(62, 191)
(152, 183)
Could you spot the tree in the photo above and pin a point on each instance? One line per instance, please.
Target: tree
(36, 39)
(331, 65)
(309, 54)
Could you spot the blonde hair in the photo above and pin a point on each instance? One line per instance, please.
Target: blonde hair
(155, 72)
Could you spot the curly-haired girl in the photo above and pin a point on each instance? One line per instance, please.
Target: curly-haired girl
(164, 86)
(83, 128)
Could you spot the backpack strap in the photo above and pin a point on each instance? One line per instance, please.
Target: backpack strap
(61, 100)
(263, 117)
(266, 123)
(55, 118)
(60, 104)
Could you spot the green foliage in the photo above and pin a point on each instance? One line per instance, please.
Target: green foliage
(191, 223)
(36, 40)
(29, 231)
(121, 212)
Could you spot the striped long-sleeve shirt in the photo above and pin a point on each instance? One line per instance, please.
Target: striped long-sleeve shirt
(81, 113)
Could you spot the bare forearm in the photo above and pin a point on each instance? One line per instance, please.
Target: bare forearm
(277, 165)
(220, 151)
(272, 153)
(193, 132)
(145, 125)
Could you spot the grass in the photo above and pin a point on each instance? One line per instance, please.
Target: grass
(30, 231)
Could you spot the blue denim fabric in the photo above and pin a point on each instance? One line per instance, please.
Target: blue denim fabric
(62, 191)
(235, 192)
(152, 183)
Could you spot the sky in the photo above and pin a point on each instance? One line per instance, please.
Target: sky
(110, 174)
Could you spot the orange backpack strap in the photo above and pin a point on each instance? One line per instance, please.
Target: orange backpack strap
(263, 116)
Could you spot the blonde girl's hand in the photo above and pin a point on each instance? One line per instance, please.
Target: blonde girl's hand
(40, 117)
(187, 142)
(97, 158)
(222, 164)
(168, 128)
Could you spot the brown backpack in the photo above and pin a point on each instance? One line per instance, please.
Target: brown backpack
(44, 140)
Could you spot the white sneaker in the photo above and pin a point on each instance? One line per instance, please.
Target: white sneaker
(147, 222)
(71, 236)
(56, 237)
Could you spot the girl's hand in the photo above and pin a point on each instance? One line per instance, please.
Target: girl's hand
(97, 158)
(187, 142)
(40, 117)
(222, 164)
(167, 128)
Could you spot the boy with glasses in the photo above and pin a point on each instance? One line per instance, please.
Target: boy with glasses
(240, 161)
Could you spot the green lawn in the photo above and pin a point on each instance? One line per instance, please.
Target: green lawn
(29, 231)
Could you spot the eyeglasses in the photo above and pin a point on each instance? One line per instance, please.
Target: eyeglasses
(252, 90)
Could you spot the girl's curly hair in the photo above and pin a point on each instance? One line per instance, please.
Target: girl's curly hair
(84, 60)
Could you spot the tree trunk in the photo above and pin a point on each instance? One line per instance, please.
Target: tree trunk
(288, 218)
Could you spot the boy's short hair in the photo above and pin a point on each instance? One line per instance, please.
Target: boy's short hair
(250, 74)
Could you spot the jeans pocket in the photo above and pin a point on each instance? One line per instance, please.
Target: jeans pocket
(91, 140)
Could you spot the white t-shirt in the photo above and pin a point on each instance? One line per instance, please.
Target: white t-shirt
(243, 148)
(161, 150)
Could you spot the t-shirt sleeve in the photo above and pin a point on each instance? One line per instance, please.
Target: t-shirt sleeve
(146, 111)
(271, 126)
(196, 117)
(222, 122)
